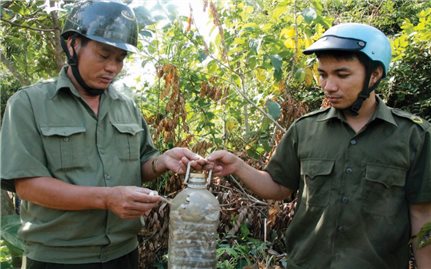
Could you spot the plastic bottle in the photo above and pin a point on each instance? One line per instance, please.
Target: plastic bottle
(193, 221)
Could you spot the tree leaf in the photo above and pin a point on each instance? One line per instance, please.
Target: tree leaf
(274, 109)
(424, 235)
(9, 233)
(276, 61)
(309, 14)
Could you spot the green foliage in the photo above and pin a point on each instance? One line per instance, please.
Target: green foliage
(387, 15)
(412, 59)
(9, 86)
(424, 236)
(29, 38)
(251, 59)
(29, 44)
(9, 233)
(242, 250)
(5, 257)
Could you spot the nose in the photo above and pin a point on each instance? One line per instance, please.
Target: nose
(328, 85)
(113, 66)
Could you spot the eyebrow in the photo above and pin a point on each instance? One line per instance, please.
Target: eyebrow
(341, 69)
(108, 49)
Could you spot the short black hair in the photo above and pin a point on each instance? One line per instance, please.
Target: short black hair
(84, 40)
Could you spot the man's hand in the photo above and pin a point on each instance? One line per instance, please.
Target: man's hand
(129, 202)
(223, 163)
(176, 160)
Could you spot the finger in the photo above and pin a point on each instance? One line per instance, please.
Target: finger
(184, 161)
(216, 155)
(208, 166)
(137, 215)
(145, 190)
(202, 162)
(146, 198)
(149, 206)
(190, 155)
(196, 165)
(133, 214)
(217, 169)
(147, 213)
(180, 167)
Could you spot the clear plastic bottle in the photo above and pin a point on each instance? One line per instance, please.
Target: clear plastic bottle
(193, 221)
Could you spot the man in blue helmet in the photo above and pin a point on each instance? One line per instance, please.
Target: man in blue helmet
(76, 151)
(361, 170)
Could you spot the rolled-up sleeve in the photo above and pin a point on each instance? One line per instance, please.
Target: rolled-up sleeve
(22, 153)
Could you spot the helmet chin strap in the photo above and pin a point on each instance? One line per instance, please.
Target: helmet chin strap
(365, 93)
(72, 61)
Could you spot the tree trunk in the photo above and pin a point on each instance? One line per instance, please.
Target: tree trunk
(59, 59)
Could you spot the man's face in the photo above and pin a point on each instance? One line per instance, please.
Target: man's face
(99, 64)
(341, 80)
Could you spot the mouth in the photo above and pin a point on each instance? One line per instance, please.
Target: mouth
(333, 99)
(106, 80)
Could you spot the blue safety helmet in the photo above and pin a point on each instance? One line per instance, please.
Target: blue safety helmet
(355, 37)
(362, 38)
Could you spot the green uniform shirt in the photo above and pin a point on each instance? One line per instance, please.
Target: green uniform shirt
(354, 190)
(48, 130)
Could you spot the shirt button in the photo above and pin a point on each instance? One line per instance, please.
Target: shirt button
(349, 170)
(345, 200)
(340, 228)
(107, 177)
(353, 141)
(66, 139)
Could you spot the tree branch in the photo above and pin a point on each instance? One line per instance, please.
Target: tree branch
(11, 67)
(242, 92)
(27, 27)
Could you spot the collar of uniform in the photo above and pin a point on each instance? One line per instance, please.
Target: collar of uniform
(382, 112)
(332, 114)
(63, 82)
(112, 92)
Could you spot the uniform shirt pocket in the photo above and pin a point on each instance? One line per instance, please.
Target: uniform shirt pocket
(383, 191)
(64, 146)
(127, 140)
(316, 177)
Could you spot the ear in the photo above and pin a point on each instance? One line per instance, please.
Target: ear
(376, 75)
(76, 44)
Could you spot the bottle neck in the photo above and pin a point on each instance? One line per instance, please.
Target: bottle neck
(197, 181)
(196, 185)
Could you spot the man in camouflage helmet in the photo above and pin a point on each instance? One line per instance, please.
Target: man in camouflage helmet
(76, 151)
(361, 170)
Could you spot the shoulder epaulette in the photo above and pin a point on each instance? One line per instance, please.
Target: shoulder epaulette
(413, 118)
(38, 84)
(314, 113)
